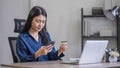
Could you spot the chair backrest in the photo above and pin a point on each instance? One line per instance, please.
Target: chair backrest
(19, 24)
(12, 42)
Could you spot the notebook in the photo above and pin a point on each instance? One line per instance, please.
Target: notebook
(92, 53)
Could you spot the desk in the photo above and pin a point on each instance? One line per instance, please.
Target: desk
(58, 64)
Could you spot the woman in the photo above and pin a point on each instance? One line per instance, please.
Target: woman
(32, 42)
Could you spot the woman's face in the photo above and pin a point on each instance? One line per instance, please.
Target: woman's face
(38, 23)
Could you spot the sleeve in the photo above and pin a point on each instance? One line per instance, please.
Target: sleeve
(22, 51)
(53, 55)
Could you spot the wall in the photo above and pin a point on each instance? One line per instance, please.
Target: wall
(10, 9)
(111, 3)
(64, 21)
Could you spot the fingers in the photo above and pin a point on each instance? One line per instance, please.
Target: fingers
(64, 46)
(44, 50)
(48, 48)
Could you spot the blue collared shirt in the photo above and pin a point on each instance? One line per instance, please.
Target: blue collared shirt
(26, 47)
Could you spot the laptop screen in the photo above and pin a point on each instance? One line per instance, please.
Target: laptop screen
(93, 51)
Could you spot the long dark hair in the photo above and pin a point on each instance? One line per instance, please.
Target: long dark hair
(36, 11)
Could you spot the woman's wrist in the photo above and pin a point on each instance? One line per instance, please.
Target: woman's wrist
(36, 55)
(59, 52)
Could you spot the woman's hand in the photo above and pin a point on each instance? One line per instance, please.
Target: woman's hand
(63, 47)
(43, 50)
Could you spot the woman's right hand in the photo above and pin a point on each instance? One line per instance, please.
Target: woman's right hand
(43, 50)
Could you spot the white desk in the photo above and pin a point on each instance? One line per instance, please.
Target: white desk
(57, 64)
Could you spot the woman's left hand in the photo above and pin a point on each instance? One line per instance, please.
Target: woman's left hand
(63, 47)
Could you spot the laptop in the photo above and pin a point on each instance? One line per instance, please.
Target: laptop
(93, 52)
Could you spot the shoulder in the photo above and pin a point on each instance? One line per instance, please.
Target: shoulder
(23, 35)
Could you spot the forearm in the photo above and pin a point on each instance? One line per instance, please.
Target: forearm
(37, 54)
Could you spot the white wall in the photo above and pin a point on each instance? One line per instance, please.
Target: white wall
(109, 4)
(10, 9)
(64, 21)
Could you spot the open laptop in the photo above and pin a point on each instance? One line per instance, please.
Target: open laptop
(92, 53)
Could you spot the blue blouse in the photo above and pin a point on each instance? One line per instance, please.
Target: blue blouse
(26, 47)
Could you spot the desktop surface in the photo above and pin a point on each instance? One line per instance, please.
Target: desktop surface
(58, 64)
(115, 67)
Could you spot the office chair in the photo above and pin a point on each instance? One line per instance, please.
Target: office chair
(12, 42)
(19, 24)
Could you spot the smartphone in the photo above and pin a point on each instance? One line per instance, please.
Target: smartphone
(51, 42)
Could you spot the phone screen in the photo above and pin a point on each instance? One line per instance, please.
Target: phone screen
(51, 42)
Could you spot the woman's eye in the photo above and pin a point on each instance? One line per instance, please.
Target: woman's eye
(40, 21)
(37, 21)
